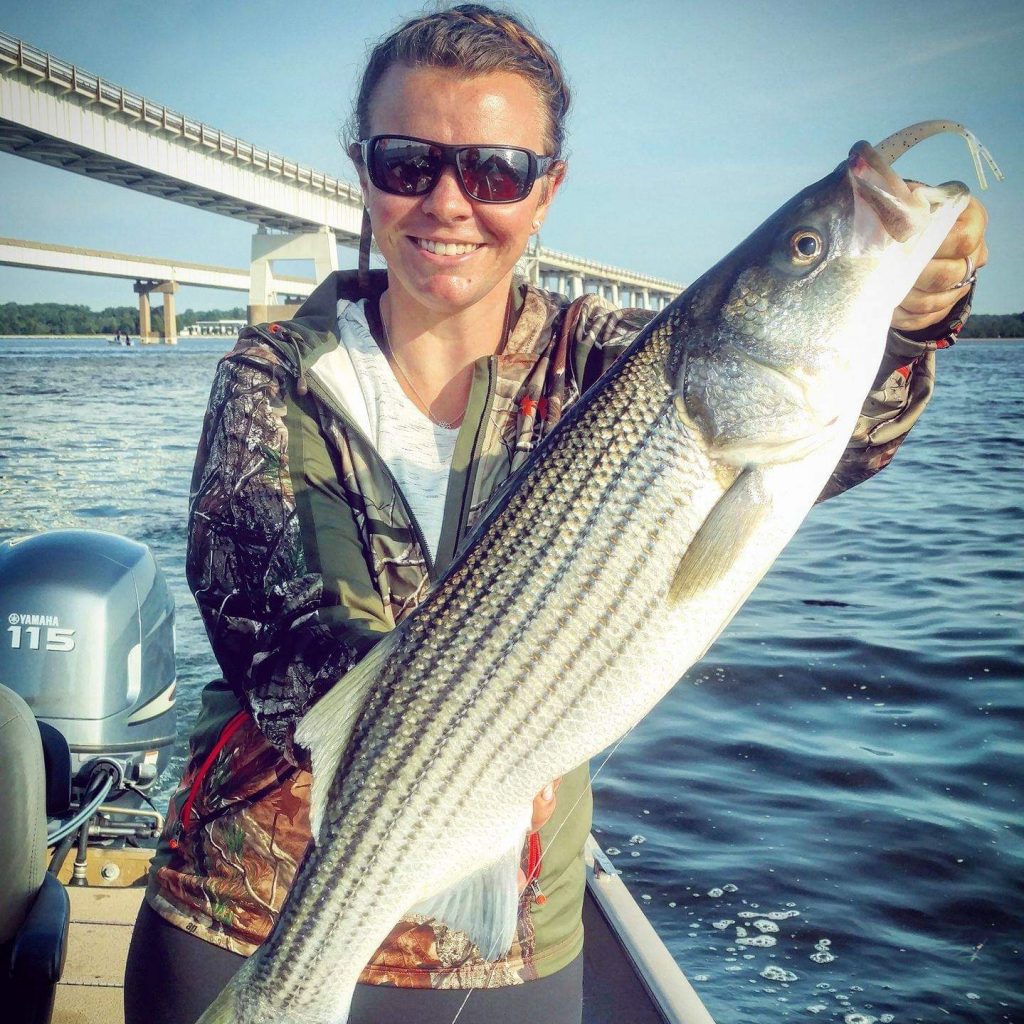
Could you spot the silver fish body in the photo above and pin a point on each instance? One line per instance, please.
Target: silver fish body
(607, 567)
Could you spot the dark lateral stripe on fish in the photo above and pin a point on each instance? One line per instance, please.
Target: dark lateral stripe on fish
(526, 617)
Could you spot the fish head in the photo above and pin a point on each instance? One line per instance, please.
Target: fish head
(783, 337)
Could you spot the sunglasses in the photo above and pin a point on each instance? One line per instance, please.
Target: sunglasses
(405, 166)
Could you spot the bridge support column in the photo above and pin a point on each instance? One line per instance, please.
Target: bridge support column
(144, 324)
(167, 289)
(319, 246)
(577, 285)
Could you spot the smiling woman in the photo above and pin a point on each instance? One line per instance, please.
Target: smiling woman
(346, 457)
(451, 230)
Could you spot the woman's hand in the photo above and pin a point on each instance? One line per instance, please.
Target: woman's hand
(543, 808)
(934, 295)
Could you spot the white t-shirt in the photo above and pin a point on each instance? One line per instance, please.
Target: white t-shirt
(416, 450)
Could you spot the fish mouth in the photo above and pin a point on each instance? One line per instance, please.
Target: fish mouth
(887, 209)
(898, 211)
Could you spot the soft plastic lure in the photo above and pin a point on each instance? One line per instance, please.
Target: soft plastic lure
(899, 142)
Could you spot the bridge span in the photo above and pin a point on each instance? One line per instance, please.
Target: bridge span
(56, 113)
(150, 274)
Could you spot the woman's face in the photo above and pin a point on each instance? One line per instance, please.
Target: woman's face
(445, 106)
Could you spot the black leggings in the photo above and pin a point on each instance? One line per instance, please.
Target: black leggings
(172, 977)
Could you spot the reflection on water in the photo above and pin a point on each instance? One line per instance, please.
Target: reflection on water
(823, 820)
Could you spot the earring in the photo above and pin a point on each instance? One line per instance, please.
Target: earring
(536, 225)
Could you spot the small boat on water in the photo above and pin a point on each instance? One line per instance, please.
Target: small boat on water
(87, 726)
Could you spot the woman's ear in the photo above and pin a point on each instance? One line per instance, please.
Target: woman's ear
(550, 184)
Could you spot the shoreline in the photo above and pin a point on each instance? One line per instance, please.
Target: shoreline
(107, 337)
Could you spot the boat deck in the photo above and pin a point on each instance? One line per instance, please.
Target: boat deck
(101, 928)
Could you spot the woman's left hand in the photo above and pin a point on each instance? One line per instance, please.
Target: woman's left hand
(934, 295)
(543, 808)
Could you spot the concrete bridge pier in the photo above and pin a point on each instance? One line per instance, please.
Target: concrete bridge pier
(167, 289)
(264, 294)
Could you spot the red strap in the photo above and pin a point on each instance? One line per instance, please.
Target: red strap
(229, 730)
(533, 865)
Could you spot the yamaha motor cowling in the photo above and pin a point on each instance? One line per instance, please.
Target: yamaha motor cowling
(89, 645)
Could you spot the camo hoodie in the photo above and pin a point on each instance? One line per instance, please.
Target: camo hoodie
(303, 553)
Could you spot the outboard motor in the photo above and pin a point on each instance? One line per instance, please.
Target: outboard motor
(89, 645)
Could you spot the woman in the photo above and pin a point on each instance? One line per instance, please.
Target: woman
(345, 456)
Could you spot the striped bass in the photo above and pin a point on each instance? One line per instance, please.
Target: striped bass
(604, 570)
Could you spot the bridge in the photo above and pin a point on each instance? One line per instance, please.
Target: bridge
(149, 274)
(58, 114)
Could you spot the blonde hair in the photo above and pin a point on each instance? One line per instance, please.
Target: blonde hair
(476, 40)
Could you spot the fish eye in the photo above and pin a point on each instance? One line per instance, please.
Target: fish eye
(805, 246)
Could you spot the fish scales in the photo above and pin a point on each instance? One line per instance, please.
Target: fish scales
(406, 713)
(618, 554)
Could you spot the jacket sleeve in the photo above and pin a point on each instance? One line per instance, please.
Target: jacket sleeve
(282, 634)
(901, 389)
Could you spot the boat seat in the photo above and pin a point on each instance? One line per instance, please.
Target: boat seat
(34, 906)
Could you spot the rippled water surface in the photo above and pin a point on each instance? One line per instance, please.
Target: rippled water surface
(823, 820)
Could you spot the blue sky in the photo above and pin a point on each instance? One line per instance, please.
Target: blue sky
(692, 120)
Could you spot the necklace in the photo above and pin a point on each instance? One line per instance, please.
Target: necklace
(390, 353)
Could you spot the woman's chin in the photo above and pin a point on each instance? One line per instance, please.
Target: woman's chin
(453, 293)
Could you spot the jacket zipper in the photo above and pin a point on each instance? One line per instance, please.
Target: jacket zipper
(327, 400)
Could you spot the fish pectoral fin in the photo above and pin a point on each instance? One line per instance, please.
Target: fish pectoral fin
(743, 452)
(484, 905)
(327, 726)
(732, 525)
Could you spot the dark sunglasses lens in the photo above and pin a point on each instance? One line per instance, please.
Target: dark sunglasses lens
(495, 175)
(405, 168)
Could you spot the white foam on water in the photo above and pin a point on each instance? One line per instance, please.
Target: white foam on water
(772, 973)
(766, 926)
(761, 941)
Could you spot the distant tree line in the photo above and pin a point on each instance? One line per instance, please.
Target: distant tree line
(60, 318)
(987, 325)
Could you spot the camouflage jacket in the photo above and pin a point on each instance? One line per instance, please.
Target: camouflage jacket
(303, 553)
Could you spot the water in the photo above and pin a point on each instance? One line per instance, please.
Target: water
(845, 766)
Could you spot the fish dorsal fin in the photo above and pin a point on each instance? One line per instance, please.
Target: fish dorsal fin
(327, 726)
(484, 905)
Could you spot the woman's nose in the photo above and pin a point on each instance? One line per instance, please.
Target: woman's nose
(446, 200)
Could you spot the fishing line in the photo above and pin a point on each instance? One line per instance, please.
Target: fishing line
(583, 792)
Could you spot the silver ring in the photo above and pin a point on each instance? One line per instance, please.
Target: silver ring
(970, 277)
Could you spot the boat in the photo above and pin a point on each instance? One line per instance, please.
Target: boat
(89, 667)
